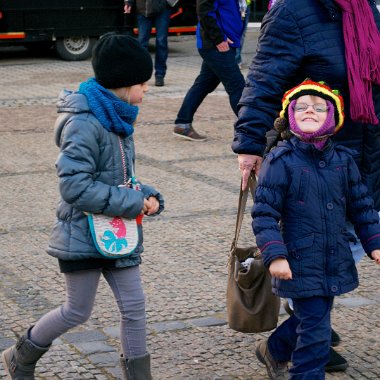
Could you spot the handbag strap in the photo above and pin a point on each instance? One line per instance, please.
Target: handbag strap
(243, 196)
(124, 162)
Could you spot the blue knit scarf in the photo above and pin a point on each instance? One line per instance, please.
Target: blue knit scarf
(114, 114)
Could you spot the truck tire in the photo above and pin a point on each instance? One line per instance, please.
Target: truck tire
(76, 48)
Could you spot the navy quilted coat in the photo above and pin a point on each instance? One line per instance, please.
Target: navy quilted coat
(300, 39)
(90, 169)
(311, 192)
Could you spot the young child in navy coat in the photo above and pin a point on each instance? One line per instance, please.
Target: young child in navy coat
(306, 189)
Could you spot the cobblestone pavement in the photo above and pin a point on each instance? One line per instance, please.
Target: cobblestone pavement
(184, 266)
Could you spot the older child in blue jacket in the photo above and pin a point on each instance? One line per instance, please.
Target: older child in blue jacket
(95, 134)
(307, 188)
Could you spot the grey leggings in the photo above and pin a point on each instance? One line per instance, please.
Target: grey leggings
(81, 289)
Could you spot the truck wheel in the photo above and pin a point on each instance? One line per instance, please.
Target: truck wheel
(74, 48)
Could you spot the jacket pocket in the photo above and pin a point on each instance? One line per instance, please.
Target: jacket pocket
(300, 251)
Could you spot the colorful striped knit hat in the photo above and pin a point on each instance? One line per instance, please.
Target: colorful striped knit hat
(309, 87)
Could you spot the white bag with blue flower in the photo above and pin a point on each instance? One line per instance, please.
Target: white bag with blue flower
(116, 237)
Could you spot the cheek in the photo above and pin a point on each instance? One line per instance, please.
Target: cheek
(322, 118)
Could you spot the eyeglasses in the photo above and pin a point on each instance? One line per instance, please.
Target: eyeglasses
(302, 107)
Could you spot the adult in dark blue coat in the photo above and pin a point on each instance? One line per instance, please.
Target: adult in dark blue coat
(313, 38)
(304, 39)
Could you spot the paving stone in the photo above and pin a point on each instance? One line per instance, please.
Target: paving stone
(84, 336)
(87, 348)
(207, 322)
(355, 301)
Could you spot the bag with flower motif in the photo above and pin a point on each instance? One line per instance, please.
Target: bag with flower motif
(116, 237)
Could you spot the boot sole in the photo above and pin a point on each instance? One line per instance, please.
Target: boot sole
(189, 138)
(259, 356)
(337, 368)
(6, 364)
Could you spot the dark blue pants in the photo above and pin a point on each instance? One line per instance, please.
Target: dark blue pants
(216, 67)
(245, 25)
(161, 22)
(305, 338)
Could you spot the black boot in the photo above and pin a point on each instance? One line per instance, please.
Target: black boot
(137, 368)
(337, 362)
(20, 359)
(335, 338)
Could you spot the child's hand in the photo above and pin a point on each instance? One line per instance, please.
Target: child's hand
(152, 206)
(146, 206)
(376, 255)
(280, 269)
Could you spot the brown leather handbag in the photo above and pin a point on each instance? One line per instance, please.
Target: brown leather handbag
(251, 305)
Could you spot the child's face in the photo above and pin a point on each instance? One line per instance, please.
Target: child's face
(135, 94)
(310, 112)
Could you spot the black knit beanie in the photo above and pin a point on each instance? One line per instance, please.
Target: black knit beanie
(120, 61)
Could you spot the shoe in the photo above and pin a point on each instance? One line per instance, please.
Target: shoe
(337, 362)
(160, 82)
(335, 338)
(276, 370)
(186, 131)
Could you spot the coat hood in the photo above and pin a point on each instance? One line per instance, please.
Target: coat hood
(69, 103)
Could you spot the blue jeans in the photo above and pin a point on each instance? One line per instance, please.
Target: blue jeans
(305, 338)
(245, 25)
(161, 22)
(216, 67)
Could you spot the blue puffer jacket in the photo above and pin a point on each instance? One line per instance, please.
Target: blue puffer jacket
(89, 169)
(218, 20)
(311, 192)
(303, 39)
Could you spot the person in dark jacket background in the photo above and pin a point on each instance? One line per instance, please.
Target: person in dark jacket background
(317, 39)
(219, 31)
(309, 185)
(95, 134)
(151, 12)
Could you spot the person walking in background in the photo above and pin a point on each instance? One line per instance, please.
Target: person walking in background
(95, 134)
(151, 12)
(219, 32)
(308, 185)
(245, 10)
(333, 40)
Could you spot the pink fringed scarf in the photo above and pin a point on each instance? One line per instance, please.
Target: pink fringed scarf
(362, 46)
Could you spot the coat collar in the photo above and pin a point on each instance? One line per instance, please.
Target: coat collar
(311, 150)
